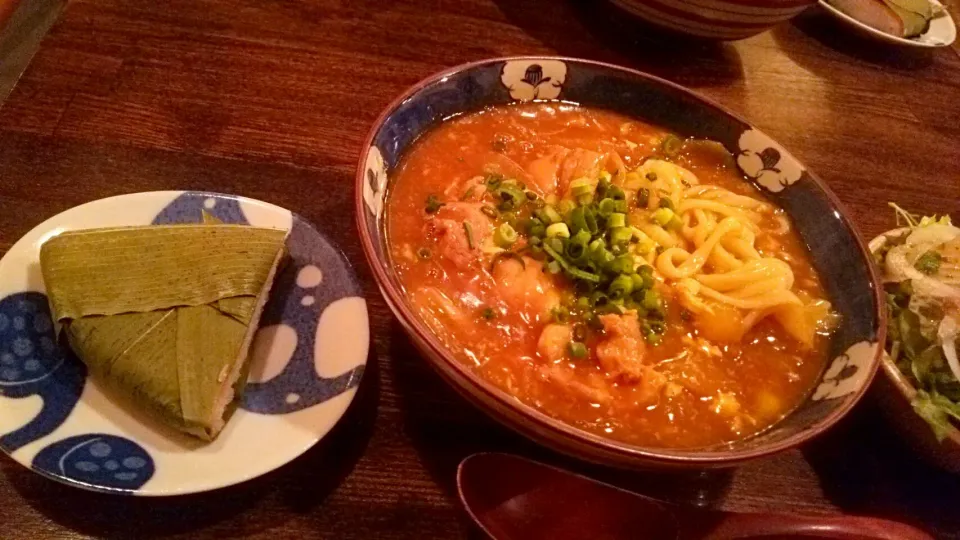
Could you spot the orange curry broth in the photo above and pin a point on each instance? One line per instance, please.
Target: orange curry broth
(714, 392)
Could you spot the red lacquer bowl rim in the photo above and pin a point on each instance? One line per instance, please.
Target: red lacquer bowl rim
(558, 429)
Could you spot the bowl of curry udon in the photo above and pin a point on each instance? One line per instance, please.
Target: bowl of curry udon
(614, 266)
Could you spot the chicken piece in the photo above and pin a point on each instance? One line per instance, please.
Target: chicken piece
(553, 172)
(506, 167)
(450, 229)
(593, 387)
(579, 163)
(621, 351)
(525, 288)
(544, 171)
(553, 341)
(442, 312)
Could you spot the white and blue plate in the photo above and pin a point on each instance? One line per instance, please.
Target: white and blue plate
(307, 360)
(941, 32)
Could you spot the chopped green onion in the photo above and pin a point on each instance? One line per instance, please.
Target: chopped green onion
(665, 202)
(643, 196)
(577, 220)
(929, 262)
(509, 217)
(621, 206)
(511, 196)
(622, 264)
(504, 255)
(536, 228)
(493, 180)
(598, 299)
(581, 187)
(565, 207)
(569, 268)
(617, 220)
(620, 236)
(577, 349)
(466, 195)
(553, 267)
(558, 230)
(638, 282)
(504, 235)
(662, 216)
(583, 302)
(489, 211)
(560, 315)
(433, 204)
(651, 300)
(606, 207)
(620, 287)
(616, 193)
(557, 243)
(548, 214)
(468, 229)
(591, 220)
(577, 245)
(674, 224)
(671, 146)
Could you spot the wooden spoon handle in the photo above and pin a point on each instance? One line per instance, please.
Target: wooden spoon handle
(732, 526)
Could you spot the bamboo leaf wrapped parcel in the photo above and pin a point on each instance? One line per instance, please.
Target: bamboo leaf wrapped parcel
(164, 315)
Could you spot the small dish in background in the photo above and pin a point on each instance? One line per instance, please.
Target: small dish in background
(724, 20)
(941, 32)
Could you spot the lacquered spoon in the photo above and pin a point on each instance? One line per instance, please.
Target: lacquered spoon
(512, 498)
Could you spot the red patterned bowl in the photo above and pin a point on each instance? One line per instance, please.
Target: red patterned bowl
(715, 19)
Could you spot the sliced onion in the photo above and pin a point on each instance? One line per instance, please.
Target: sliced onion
(900, 268)
(947, 334)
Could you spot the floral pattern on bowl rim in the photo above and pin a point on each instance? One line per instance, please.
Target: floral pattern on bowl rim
(835, 247)
(303, 373)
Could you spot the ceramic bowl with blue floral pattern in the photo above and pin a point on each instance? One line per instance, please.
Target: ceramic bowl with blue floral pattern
(836, 249)
(307, 359)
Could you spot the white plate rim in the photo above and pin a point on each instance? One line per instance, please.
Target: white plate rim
(950, 28)
(337, 404)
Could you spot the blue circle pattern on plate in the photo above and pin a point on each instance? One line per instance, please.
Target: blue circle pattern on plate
(98, 461)
(31, 364)
(306, 247)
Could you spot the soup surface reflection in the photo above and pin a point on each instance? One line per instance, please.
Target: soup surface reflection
(607, 273)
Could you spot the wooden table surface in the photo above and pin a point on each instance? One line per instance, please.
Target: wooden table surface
(271, 99)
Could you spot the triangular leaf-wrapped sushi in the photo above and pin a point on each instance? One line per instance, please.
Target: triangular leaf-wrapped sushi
(164, 315)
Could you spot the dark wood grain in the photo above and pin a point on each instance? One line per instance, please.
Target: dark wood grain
(271, 98)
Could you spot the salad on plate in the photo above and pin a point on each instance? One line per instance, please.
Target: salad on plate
(920, 267)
